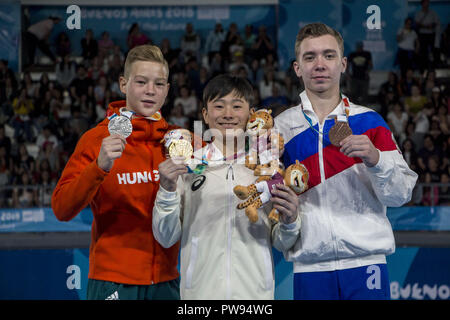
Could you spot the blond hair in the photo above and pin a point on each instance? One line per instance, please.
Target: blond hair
(145, 52)
(314, 30)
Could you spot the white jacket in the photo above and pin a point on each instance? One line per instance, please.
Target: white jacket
(344, 223)
(223, 254)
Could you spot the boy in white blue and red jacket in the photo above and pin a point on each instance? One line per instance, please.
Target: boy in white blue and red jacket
(345, 234)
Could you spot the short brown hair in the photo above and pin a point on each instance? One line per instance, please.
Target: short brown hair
(314, 30)
(145, 52)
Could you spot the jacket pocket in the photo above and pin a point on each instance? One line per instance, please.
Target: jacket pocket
(192, 261)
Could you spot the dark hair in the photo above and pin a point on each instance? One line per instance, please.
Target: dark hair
(224, 84)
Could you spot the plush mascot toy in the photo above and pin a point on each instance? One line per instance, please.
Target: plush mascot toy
(295, 176)
(264, 160)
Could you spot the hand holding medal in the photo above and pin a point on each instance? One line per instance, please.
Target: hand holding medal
(120, 128)
(352, 146)
(178, 150)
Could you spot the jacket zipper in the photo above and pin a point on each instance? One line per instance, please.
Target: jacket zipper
(229, 228)
(322, 180)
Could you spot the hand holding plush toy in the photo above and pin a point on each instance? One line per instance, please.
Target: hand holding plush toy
(296, 177)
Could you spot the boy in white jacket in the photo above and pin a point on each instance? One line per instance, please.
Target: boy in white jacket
(223, 254)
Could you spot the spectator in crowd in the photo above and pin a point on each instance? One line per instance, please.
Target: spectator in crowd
(63, 45)
(249, 39)
(37, 35)
(443, 118)
(115, 69)
(408, 45)
(431, 174)
(22, 162)
(429, 149)
(44, 84)
(24, 195)
(46, 186)
(95, 71)
(218, 65)
(422, 125)
(188, 102)
(80, 85)
(389, 93)
(5, 141)
(29, 85)
(214, 41)
(46, 136)
(230, 38)
(269, 62)
(5, 169)
(100, 89)
(6, 72)
(89, 46)
(22, 106)
(170, 54)
(49, 152)
(444, 192)
(69, 139)
(178, 118)
(428, 25)
(360, 64)
(407, 82)
(429, 83)
(136, 37)
(256, 74)
(397, 120)
(446, 41)
(190, 44)
(65, 71)
(276, 101)
(437, 99)
(263, 44)
(409, 153)
(105, 45)
(415, 102)
(290, 89)
(238, 62)
(265, 85)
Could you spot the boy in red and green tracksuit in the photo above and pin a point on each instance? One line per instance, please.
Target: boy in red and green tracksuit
(118, 177)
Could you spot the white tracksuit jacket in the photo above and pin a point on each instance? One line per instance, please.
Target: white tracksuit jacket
(223, 254)
(343, 214)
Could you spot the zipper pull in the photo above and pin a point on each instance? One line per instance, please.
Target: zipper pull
(230, 167)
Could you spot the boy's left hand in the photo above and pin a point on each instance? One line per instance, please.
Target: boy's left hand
(360, 146)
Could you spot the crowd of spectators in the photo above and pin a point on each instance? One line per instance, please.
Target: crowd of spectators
(46, 118)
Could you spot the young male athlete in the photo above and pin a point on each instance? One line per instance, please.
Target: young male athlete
(114, 169)
(355, 172)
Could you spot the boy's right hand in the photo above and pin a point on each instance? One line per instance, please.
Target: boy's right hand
(112, 149)
(169, 170)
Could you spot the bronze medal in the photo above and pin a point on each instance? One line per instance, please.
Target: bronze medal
(339, 132)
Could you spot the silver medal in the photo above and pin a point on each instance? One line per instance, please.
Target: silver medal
(120, 125)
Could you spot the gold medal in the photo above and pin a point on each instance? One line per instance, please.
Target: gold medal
(180, 148)
(178, 143)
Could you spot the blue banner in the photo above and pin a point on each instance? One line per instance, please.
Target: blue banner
(10, 32)
(420, 218)
(61, 274)
(42, 220)
(156, 22)
(293, 15)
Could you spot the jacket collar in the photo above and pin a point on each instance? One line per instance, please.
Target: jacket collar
(308, 109)
(144, 128)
